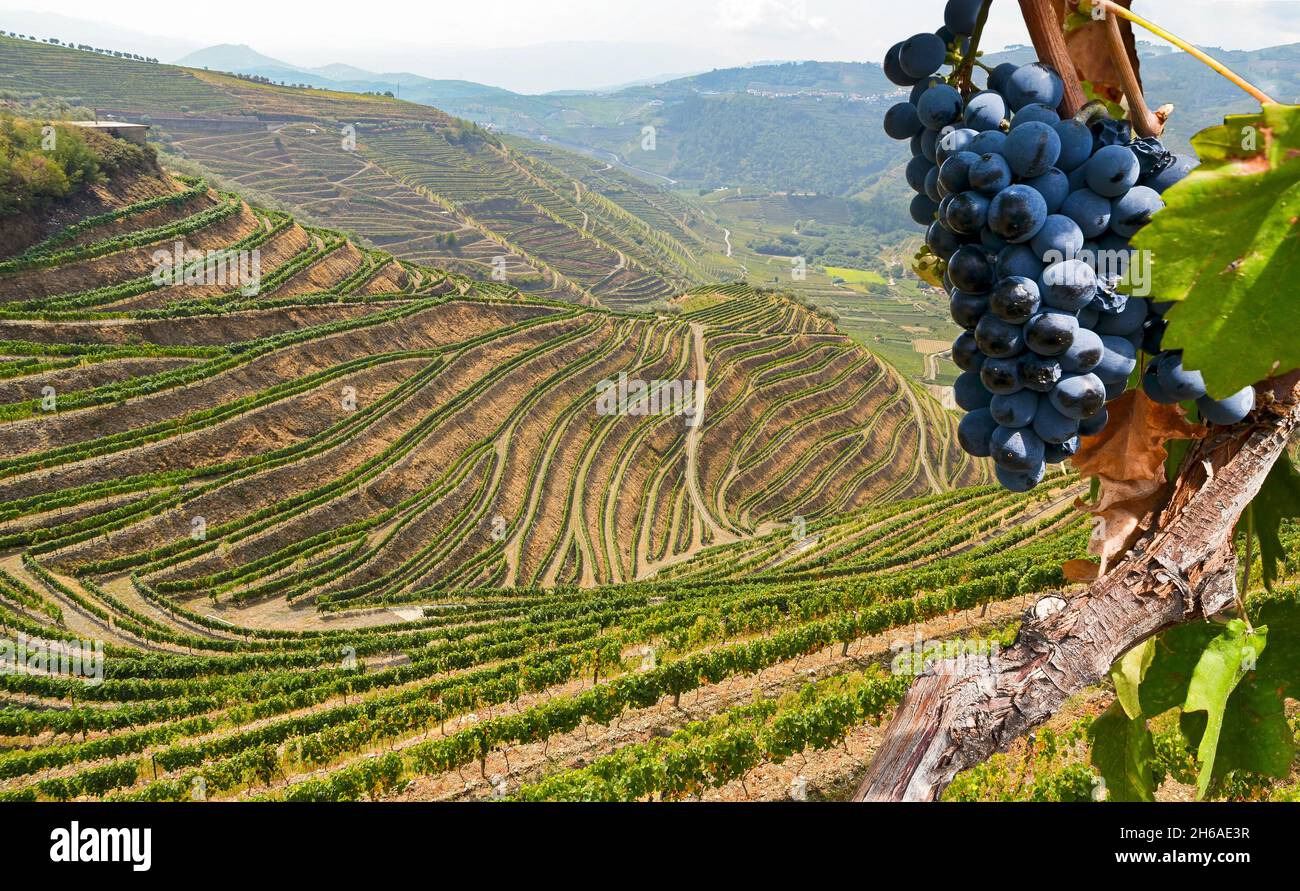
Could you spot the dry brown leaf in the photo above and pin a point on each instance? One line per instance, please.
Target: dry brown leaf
(1132, 447)
(1091, 53)
(1128, 458)
(1080, 570)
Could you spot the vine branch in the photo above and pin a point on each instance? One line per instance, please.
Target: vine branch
(1184, 570)
(1049, 43)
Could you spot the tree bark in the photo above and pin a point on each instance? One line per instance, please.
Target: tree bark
(1184, 570)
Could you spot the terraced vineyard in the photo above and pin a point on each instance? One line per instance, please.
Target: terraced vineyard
(365, 532)
(423, 186)
(366, 505)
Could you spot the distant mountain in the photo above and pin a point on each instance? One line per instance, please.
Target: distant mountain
(231, 57)
(240, 59)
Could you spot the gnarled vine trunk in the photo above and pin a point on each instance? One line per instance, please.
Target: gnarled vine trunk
(1184, 570)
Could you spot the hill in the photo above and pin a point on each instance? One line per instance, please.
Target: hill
(423, 185)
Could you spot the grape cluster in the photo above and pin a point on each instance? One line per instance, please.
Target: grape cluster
(1031, 216)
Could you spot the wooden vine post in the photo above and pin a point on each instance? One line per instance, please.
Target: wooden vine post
(1183, 570)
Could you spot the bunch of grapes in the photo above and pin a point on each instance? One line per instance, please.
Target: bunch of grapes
(1031, 215)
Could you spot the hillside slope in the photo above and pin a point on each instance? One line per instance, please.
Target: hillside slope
(355, 427)
(425, 186)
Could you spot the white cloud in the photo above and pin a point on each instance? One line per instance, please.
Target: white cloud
(782, 16)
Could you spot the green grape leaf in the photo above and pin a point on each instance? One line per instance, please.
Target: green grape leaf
(1256, 735)
(1278, 500)
(1223, 664)
(1128, 674)
(1123, 751)
(1227, 247)
(1175, 654)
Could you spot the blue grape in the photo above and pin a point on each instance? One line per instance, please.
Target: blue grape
(930, 145)
(990, 142)
(941, 241)
(1054, 186)
(1032, 150)
(1015, 300)
(1119, 360)
(1079, 396)
(1078, 177)
(1034, 83)
(952, 142)
(985, 111)
(921, 86)
(969, 391)
(1182, 166)
(999, 76)
(998, 339)
(990, 174)
(970, 270)
(1016, 409)
(917, 170)
(1040, 373)
(1114, 389)
(1061, 452)
(1058, 240)
(966, 353)
(1017, 213)
(1134, 209)
(1071, 285)
(1036, 113)
(922, 55)
(1094, 425)
(1089, 210)
(1084, 354)
(1053, 427)
(1019, 260)
(1154, 389)
(1180, 383)
(1112, 171)
(923, 209)
(940, 106)
(902, 121)
(954, 174)
(974, 432)
(932, 186)
(1001, 376)
(991, 239)
(967, 309)
(1126, 322)
(967, 213)
(894, 71)
(1076, 144)
(1051, 333)
(1021, 481)
(1016, 448)
(961, 16)
(1226, 412)
(1088, 316)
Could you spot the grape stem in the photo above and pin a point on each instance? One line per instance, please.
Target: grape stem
(1144, 122)
(1109, 6)
(972, 51)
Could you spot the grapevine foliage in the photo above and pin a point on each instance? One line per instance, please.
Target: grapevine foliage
(1225, 248)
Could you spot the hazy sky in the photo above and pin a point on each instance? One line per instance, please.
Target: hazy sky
(676, 34)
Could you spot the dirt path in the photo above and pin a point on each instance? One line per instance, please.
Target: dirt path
(695, 434)
(923, 436)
